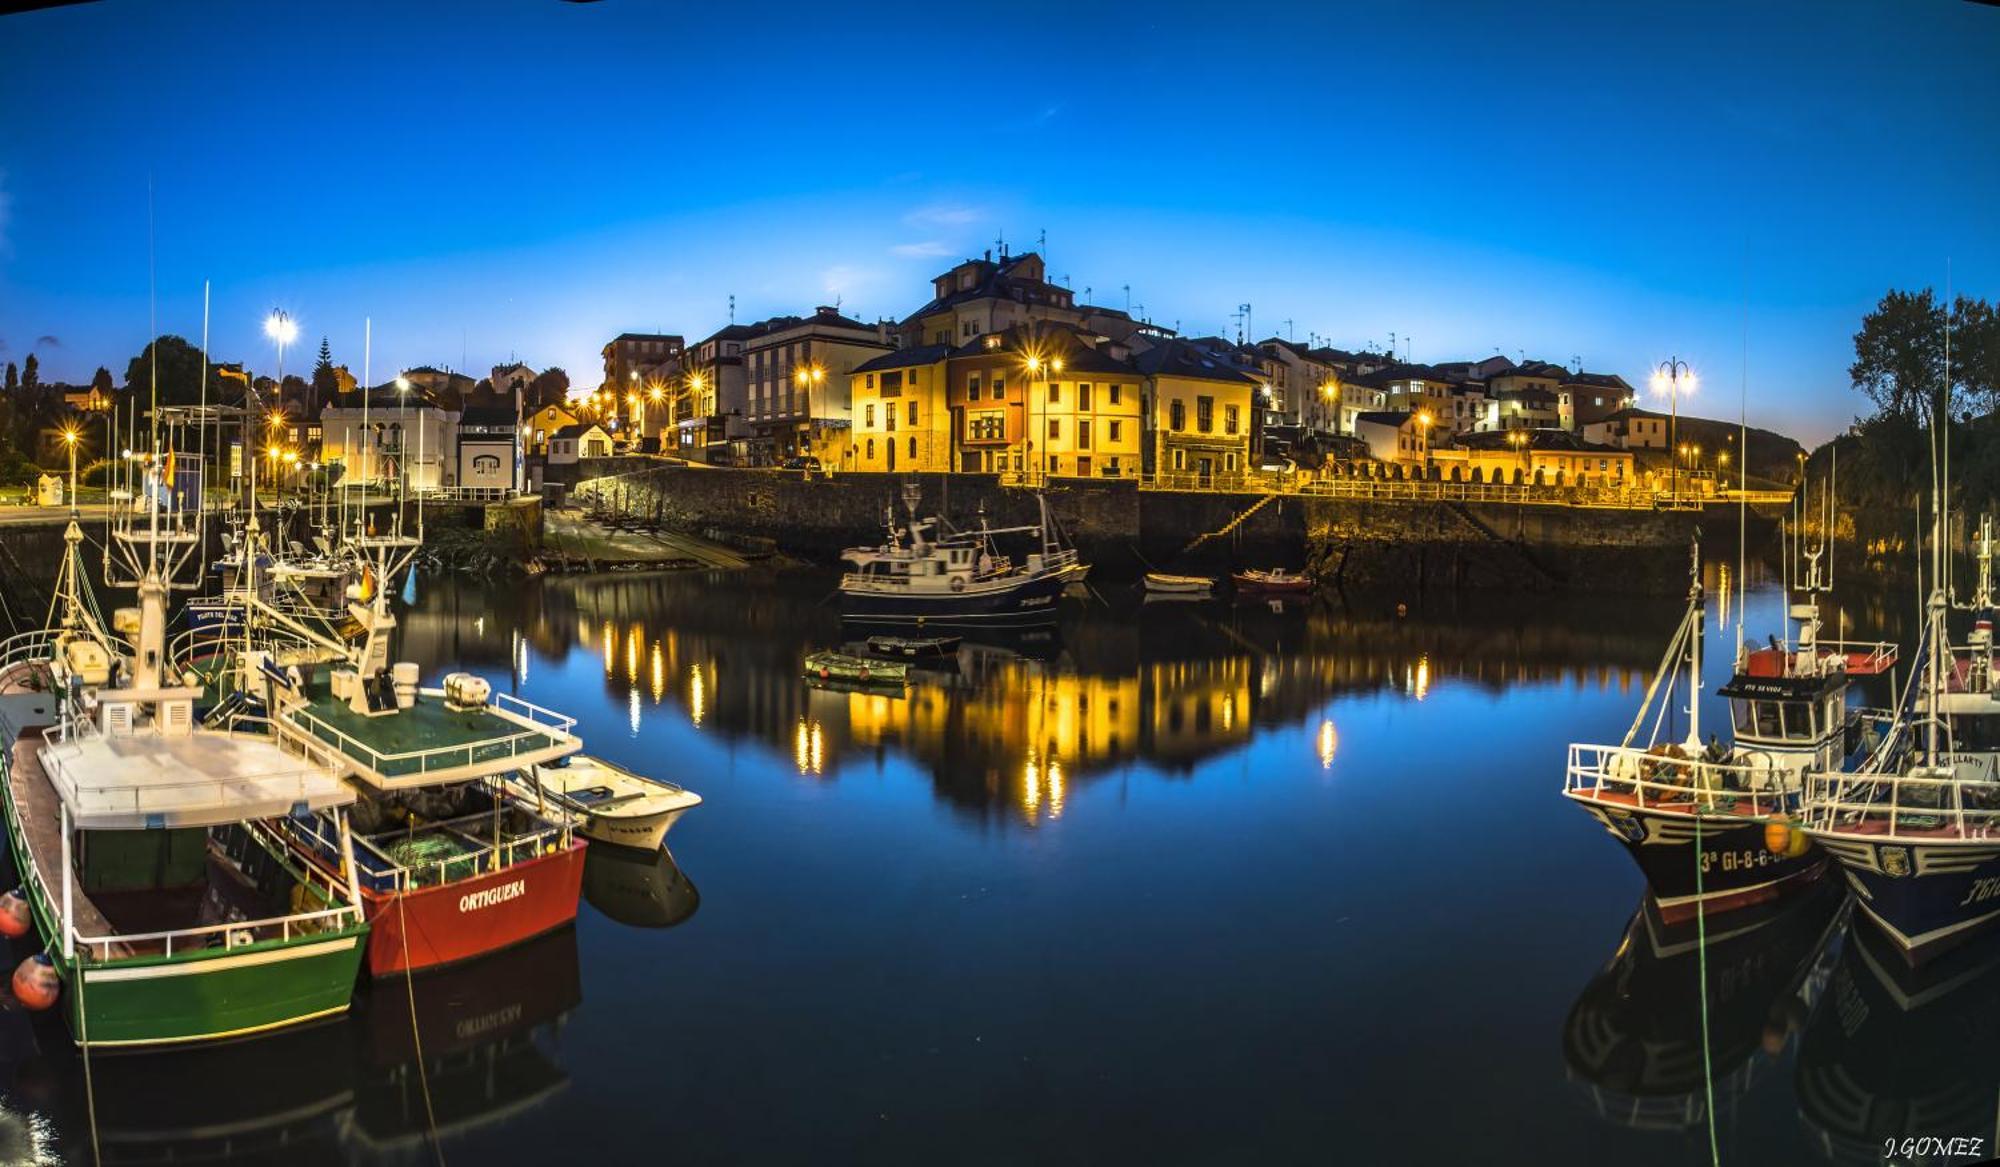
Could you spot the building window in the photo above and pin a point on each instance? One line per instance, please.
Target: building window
(868, 416)
(999, 385)
(1055, 393)
(913, 446)
(1229, 463)
(913, 413)
(1055, 429)
(1229, 419)
(1083, 395)
(1083, 433)
(1115, 387)
(1177, 415)
(870, 383)
(972, 388)
(987, 427)
(871, 449)
(1116, 426)
(1204, 414)
(1180, 459)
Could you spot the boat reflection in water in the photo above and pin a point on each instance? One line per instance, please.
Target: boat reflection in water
(1022, 722)
(343, 1091)
(639, 889)
(1632, 1042)
(488, 1030)
(1889, 1053)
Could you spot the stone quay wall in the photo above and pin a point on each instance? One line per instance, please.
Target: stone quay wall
(1123, 531)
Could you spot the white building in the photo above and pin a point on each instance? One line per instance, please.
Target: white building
(388, 439)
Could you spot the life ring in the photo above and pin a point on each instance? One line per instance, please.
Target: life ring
(864, 672)
(825, 673)
(958, 583)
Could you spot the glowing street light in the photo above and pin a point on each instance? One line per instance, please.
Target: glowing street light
(1668, 379)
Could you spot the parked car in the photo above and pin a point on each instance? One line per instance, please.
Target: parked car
(800, 462)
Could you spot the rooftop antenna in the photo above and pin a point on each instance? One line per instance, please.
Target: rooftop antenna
(1042, 244)
(1000, 242)
(732, 307)
(1086, 293)
(1128, 299)
(1575, 363)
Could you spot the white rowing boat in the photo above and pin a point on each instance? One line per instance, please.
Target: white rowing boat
(1164, 584)
(615, 805)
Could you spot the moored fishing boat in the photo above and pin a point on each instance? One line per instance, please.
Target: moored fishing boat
(928, 574)
(1917, 828)
(172, 913)
(1713, 826)
(448, 863)
(615, 805)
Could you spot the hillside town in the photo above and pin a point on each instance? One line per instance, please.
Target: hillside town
(1001, 371)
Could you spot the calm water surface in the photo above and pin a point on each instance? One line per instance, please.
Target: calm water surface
(1178, 883)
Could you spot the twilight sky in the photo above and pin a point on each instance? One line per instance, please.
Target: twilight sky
(527, 178)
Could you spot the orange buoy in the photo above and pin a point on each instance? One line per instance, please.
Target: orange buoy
(15, 919)
(36, 982)
(1778, 836)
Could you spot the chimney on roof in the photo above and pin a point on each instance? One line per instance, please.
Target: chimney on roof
(826, 310)
(989, 255)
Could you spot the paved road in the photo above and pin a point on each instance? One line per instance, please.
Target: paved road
(13, 516)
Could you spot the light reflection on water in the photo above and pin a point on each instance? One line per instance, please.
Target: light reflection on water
(1176, 883)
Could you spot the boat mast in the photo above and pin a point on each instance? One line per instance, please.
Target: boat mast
(1697, 601)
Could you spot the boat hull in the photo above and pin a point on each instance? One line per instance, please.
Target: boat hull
(1032, 601)
(225, 993)
(1736, 868)
(1928, 896)
(645, 832)
(446, 923)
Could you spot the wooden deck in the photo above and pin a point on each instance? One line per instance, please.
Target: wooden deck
(40, 818)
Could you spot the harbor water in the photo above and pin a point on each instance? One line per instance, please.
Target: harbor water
(1174, 882)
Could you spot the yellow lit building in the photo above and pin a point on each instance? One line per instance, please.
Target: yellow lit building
(1085, 411)
(1199, 412)
(901, 420)
(543, 423)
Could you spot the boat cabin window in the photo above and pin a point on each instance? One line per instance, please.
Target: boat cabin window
(1775, 719)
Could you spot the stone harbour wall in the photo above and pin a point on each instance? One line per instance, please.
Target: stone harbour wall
(1123, 531)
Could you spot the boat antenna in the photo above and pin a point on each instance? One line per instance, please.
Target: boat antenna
(201, 431)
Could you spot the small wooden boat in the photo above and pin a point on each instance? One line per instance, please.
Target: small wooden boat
(1161, 583)
(615, 805)
(1276, 580)
(839, 666)
(914, 647)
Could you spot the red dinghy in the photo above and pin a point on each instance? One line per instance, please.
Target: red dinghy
(1277, 580)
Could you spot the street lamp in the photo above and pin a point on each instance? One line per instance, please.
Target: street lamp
(1424, 433)
(1667, 379)
(1051, 369)
(69, 437)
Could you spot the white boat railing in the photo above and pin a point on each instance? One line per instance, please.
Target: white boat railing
(1915, 807)
(1629, 776)
(239, 933)
(541, 724)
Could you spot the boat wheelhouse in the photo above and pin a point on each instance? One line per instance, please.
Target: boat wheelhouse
(1707, 823)
(928, 574)
(1917, 828)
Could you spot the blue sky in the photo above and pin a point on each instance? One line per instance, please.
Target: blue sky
(528, 178)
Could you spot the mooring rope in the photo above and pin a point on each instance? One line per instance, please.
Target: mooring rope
(89, 1084)
(416, 1034)
(1701, 965)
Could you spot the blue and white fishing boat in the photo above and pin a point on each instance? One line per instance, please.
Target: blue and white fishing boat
(928, 574)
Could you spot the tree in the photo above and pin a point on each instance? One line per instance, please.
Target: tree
(180, 374)
(1899, 355)
(31, 372)
(1975, 352)
(550, 388)
(325, 382)
(101, 381)
(13, 377)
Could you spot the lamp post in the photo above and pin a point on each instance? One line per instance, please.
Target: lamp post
(1051, 369)
(69, 439)
(1424, 435)
(811, 376)
(280, 327)
(1667, 378)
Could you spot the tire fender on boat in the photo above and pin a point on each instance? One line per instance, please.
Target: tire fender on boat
(958, 583)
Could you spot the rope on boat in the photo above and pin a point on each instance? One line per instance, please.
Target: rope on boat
(1701, 972)
(416, 1034)
(89, 1085)
(1665, 672)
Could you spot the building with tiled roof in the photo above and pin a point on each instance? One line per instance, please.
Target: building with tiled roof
(983, 296)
